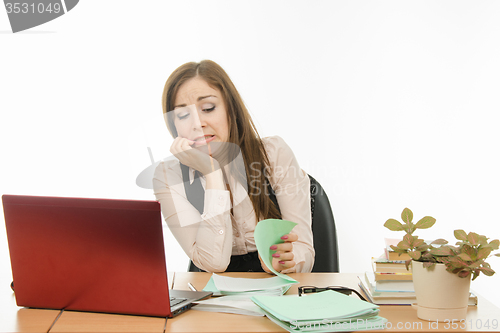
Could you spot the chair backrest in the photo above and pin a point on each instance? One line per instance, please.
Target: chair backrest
(324, 232)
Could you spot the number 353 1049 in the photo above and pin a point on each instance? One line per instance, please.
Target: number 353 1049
(472, 324)
(32, 8)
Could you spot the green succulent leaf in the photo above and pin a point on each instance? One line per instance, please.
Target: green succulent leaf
(495, 244)
(483, 253)
(440, 241)
(464, 273)
(460, 235)
(422, 248)
(408, 239)
(427, 256)
(470, 251)
(407, 215)
(459, 262)
(465, 256)
(415, 255)
(393, 225)
(418, 242)
(425, 222)
(404, 244)
(475, 264)
(486, 271)
(441, 251)
(473, 238)
(428, 264)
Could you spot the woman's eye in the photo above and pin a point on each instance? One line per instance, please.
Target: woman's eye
(183, 116)
(209, 109)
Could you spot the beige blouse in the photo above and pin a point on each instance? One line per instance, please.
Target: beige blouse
(210, 239)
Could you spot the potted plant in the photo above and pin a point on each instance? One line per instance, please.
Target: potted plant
(442, 272)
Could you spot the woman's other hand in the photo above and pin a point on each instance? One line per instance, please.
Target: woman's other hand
(283, 257)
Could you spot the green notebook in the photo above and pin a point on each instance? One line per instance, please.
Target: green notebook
(321, 312)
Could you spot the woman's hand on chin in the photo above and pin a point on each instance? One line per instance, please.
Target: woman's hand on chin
(182, 149)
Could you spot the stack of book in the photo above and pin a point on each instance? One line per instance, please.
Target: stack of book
(389, 271)
(392, 275)
(389, 282)
(385, 293)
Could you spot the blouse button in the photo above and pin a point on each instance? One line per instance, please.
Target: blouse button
(221, 232)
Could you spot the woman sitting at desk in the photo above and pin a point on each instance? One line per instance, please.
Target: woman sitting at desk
(209, 201)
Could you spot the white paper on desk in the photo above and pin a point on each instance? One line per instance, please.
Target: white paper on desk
(231, 284)
(230, 304)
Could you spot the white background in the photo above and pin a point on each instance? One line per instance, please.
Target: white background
(389, 104)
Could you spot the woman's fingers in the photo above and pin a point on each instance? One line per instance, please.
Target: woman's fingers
(282, 247)
(288, 243)
(283, 255)
(180, 145)
(280, 264)
(182, 149)
(291, 237)
(286, 264)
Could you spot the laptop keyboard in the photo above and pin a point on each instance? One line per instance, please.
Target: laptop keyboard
(175, 300)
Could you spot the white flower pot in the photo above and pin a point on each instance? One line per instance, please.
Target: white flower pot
(441, 295)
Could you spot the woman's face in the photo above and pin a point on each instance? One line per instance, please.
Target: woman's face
(200, 114)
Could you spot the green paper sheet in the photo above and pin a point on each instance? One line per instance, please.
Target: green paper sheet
(224, 285)
(269, 232)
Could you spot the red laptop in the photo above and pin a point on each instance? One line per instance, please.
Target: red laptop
(100, 255)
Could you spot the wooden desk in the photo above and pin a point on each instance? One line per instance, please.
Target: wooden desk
(17, 319)
(401, 318)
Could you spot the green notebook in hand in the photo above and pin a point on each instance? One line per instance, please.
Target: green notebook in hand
(267, 233)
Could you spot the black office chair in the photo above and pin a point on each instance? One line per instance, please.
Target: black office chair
(324, 233)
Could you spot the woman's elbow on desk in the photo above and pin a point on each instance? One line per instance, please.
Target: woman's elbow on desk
(212, 264)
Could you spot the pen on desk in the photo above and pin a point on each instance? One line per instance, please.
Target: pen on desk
(191, 287)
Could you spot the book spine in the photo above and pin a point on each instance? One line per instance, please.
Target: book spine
(393, 276)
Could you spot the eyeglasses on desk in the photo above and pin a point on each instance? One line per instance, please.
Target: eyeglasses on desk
(343, 290)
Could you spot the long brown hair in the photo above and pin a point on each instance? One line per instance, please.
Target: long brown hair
(242, 131)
